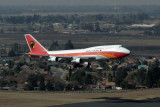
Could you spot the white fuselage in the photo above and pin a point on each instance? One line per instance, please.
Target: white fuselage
(97, 52)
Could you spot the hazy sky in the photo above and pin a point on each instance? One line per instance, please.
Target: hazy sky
(79, 2)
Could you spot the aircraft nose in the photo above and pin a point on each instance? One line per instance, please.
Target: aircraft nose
(128, 51)
(125, 50)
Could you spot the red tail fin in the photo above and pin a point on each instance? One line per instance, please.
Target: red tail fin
(34, 46)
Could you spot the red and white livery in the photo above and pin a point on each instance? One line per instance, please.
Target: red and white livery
(97, 52)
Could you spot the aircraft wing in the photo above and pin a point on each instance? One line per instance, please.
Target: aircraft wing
(33, 54)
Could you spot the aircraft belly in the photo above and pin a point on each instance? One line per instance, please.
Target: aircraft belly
(97, 57)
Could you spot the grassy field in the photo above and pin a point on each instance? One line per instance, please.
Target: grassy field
(44, 99)
(139, 45)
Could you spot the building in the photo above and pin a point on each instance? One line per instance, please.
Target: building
(143, 66)
(110, 85)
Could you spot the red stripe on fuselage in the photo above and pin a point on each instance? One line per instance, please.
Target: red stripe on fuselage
(108, 54)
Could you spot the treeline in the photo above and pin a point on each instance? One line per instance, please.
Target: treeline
(81, 79)
(33, 19)
(15, 73)
(17, 49)
(113, 19)
(143, 77)
(153, 31)
(78, 80)
(56, 46)
(156, 30)
(150, 9)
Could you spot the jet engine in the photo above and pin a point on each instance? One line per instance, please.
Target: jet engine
(53, 58)
(77, 60)
(33, 56)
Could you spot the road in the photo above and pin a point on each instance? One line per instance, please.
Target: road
(110, 98)
(116, 102)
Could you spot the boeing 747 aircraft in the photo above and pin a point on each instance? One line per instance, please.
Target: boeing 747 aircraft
(76, 55)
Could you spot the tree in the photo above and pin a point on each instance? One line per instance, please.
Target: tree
(59, 86)
(120, 75)
(141, 76)
(47, 68)
(79, 76)
(1, 31)
(138, 63)
(54, 46)
(156, 62)
(49, 85)
(99, 17)
(42, 85)
(10, 64)
(152, 78)
(149, 79)
(70, 74)
(69, 45)
(104, 65)
(114, 68)
(82, 78)
(3, 52)
(110, 77)
(15, 47)
(158, 83)
(125, 85)
(88, 79)
(97, 27)
(156, 30)
(144, 62)
(32, 82)
(18, 68)
(11, 53)
(3, 83)
(155, 70)
(148, 32)
(88, 26)
(114, 74)
(12, 83)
